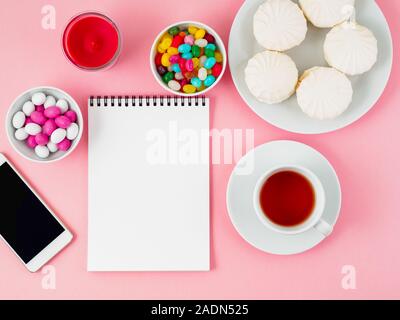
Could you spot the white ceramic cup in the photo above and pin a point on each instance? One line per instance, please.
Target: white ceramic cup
(313, 221)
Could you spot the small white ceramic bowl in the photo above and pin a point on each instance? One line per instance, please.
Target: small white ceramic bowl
(20, 146)
(183, 25)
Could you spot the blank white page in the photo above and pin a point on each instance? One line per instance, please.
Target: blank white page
(149, 185)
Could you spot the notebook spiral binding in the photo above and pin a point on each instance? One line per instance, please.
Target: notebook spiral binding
(143, 101)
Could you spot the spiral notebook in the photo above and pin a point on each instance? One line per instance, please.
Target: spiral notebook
(148, 184)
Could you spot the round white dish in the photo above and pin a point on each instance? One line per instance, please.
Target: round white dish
(182, 25)
(243, 180)
(20, 146)
(287, 115)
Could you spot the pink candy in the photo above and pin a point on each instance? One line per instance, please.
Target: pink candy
(39, 108)
(52, 112)
(189, 40)
(64, 145)
(71, 115)
(38, 117)
(174, 59)
(49, 127)
(28, 120)
(63, 122)
(189, 65)
(31, 142)
(42, 139)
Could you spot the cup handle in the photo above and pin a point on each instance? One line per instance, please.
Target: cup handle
(324, 227)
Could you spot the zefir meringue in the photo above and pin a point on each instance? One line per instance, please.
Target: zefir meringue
(351, 48)
(271, 76)
(324, 93)
(279, 25)
(327, 13)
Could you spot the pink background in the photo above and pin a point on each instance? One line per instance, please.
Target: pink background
(365, 155)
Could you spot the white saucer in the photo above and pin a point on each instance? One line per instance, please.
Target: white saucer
(288, 115)
(242, 182)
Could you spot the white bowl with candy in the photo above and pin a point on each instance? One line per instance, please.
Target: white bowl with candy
(44, 124)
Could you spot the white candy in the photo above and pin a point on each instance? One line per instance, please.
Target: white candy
(28, 108)
(324, 93)
(327, 13)
(18, 120)
(279, 25)
(52, 147)
(50, 102)
(202, 74)
(73, 129)
(63, 105)
(172, 84)
(38, 98)
(351, 48)
(21, 134)
(33, 129)
(58, 135)
(179, 76)
(201, 43)
(271, 76)
(42, 152)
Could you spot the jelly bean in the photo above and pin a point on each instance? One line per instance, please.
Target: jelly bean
(21, 134)
(160, 49)
(179, 76)
(202, 60)
(210, 38)
(211, 46)
(184, 48)
(166, 36)
(189, 39)
(189, 65)
(165, 60)
(183, 34)
(28, 120)
(64, 145)
(172, 51)
(169, 68)
(190, 75)
(71, 114)
(196, 62)
(174, 85)
(182, 65)
(175, 58)
(50, 102)
(42, 139)
(201, 43)
(209, 53)
(209, 63)
(157, 58)
(196, 51)
(196, 82)
(187, 55)
(166, 43)
(188, 88)
(29, 107)
(176, 68)
(38, 98)
(63, 122)
(52, 147)
(174, 31)
(183, 82)
(42, 152)
(39, 108)
(52, 112)
(218, 56)
(200, 34)
(63, 105)
(168, 77)
(177, 41)
(192, 30)
(161, 70)
(38, 117)
(209, 80)
(72, 131)
(202, 74)
(49, 127)
(31, 142)
(216, 70)
(18, 119)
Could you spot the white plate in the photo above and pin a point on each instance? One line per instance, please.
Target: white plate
(287, 115)
(239, 196)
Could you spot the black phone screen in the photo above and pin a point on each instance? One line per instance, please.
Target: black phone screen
(25, 223)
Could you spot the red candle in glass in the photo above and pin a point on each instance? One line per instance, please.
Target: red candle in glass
(91, 41)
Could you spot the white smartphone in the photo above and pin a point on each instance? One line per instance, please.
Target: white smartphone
(27, 224)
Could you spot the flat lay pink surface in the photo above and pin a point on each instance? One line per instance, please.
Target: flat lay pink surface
(365, 155)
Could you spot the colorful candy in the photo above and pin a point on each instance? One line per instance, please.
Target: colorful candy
(188, 60)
